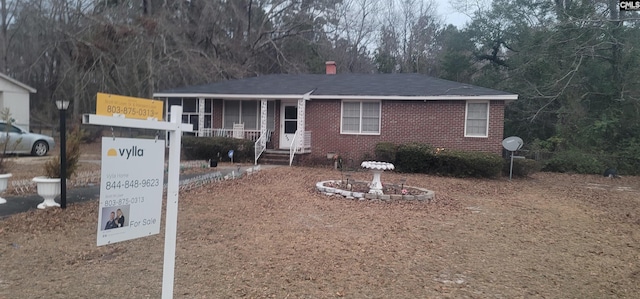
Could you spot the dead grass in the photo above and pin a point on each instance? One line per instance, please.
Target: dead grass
(271, 235)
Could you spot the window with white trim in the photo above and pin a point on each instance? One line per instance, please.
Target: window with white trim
(477, 119)
(360, 117)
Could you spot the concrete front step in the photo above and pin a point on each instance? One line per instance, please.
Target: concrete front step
(274, 161)
(275, 157)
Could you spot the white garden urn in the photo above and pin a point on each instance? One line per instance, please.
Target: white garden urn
(4, 182)
(49, 189)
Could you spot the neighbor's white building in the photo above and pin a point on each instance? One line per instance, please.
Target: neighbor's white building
(15, 96)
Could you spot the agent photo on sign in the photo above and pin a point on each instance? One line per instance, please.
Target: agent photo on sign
(114, 217)
(119, 218)
(112, 221)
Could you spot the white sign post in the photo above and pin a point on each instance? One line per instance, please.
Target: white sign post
(175, 128)
(131, 184)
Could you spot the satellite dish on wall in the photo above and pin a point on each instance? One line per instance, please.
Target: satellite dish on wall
(512, 143)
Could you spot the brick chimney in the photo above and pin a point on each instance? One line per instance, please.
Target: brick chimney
(331, 67)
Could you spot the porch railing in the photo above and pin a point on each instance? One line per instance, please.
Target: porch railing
(260, 146)
(296, 148)
(252, 135)
(307, 142)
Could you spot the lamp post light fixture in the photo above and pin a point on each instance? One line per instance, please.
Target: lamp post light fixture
(62, 107)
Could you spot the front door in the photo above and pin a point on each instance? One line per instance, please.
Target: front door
(288, 123)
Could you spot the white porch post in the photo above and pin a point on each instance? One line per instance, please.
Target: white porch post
(263, 122)
(200, 116)
(301, 121)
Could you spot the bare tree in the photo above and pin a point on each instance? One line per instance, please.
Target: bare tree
(353, 33)
(7, 17)
(410, 26)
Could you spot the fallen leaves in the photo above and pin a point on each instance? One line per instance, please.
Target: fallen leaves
(272, 234)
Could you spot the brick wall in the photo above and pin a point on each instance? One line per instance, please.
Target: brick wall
(438, 123)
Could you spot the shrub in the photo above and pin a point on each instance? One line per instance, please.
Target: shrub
(573, 161)
(421, 158)
(52, 166)
(628, 158)
(628, 165)
(386, 152)
(467, 164)
(5, 115)
(521, 167)
(217, 148)
(366, 157)
(91, 134)
(414, 157)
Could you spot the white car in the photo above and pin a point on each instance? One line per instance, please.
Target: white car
(22, 141)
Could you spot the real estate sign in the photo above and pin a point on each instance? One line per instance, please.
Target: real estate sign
(128, 107)
(130, 189)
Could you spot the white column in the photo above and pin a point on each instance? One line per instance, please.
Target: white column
(263, 121)
(301, 106)
(200, 115)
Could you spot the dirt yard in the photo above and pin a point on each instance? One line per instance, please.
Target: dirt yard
(271, 235)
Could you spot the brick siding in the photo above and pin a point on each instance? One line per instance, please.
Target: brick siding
(437, 123)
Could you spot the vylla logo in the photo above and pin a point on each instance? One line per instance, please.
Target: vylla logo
(134, 151)
(629, 5)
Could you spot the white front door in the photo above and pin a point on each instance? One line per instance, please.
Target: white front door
(288, 123)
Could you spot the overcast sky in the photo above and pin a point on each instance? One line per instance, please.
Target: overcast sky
(449, 14)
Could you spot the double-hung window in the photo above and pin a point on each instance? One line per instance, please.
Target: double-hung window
(477, 119)
(360, 117)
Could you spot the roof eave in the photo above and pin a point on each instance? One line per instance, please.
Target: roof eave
(18, 83)
(227, 96)
(508, 97)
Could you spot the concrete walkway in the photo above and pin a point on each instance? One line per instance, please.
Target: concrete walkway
(23, 203)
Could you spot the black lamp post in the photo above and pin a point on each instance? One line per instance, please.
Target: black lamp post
(62, 107)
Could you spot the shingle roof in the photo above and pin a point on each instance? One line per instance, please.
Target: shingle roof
(341, 85)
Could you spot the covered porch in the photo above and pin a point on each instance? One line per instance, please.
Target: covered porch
(276, 124)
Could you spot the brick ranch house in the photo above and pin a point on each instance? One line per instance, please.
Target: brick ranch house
(314, 115)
